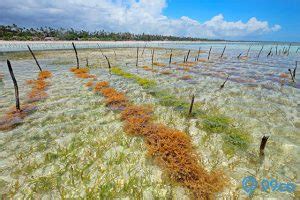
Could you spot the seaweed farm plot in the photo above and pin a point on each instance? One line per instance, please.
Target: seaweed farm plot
(151, 123)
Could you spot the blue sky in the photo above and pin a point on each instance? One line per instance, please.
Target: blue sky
(286, 13)
(272, 20)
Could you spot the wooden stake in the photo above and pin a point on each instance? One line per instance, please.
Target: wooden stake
(248, 51)
(209, 53)
(262, 147)
(198, 53)
(15, 85)
(187, 57)
(76, 54)
(223, 52)
(294, 72)
(170, 59)
(288, 51)
(87, 62)
(260, 51)
(144, 49)
(270, 52)
(37, 63)
(276, 49)
(292, 76)
(239, 55)
(222, 86)
(109, 66)
(137, 57)
(152, 58)
(191, 106)
(100, 50)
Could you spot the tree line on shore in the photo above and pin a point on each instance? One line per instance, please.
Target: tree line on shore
(14, 32)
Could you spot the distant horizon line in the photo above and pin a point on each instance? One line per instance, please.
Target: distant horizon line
(179, 38)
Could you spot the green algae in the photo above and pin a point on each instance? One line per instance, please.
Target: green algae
(233, 138)
(216, 123)
(145, 83)
(43, 184)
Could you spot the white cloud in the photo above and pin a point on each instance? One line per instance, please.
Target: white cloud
(143, 16)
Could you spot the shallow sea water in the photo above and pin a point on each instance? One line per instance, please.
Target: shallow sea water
(73, 146)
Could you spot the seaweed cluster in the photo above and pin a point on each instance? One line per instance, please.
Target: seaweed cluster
(187, 64)
(14, 117)
(100, 85)
(173, 151)
(159, 64)
(145, 83)
(114, 99)
(186, 77)
(234, 139)
(38, 87)
(89, 84)
(82, 72)
(166, 72)
(146, 68)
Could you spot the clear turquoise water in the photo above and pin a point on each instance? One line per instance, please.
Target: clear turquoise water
(74, 124)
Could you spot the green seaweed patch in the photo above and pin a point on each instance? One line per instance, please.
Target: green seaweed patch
(43, 184)
(145, 83)
(169, 100)
(235, 140)
(51, 157)
(216, 124)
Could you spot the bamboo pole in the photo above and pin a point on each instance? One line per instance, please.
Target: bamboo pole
(209, 53)
(187, 57)
(109, 66)
(152, 58)
(15, 85)
(262, 147)
(191, 106)
(100, 50)
(77, 60)
(270, 52)
(198, 53)
(144, 49)
(137, 57)
(238, 57)
(294, 72)
(223, 52)
(37, 63)
(248, 50)
(292, 76)
(260, 51)
(115, 54)
(288, 51)
(170, 59)
(222, 86)
(87, 62)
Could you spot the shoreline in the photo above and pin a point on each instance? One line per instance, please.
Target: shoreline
(19, 46)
